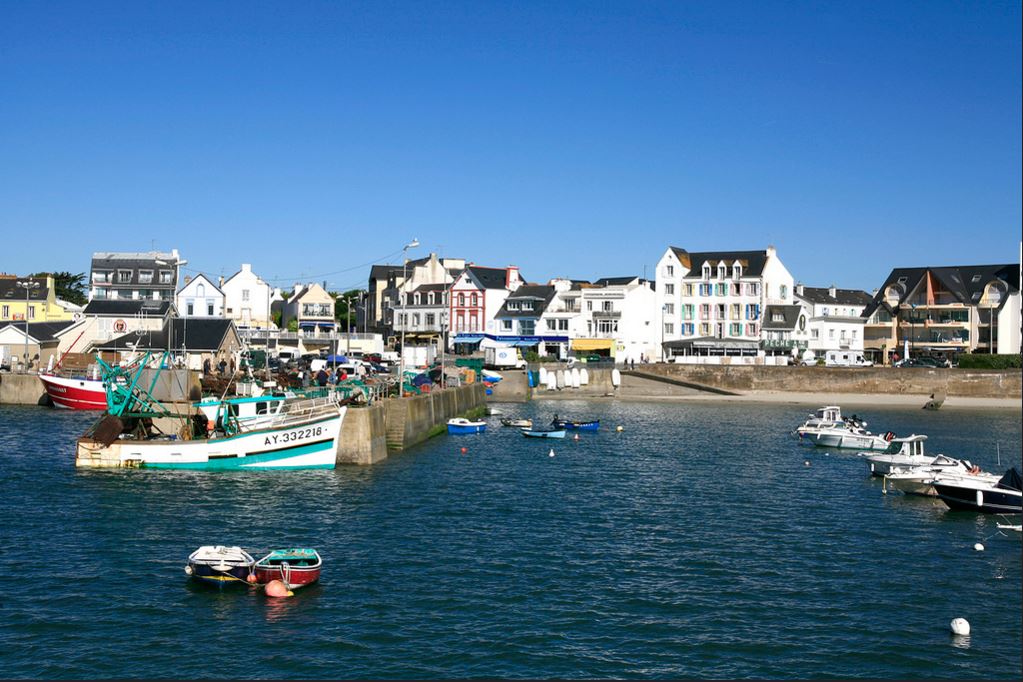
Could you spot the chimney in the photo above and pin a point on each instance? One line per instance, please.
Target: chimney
(770, 251)
(511, 275)
(296, 288)
(188, 278)
(799, 288)
(221, 284)
(832, 291)
(246, 267)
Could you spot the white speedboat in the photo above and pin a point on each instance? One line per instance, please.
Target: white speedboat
(916, 479)
(902, 454)
(827, 428)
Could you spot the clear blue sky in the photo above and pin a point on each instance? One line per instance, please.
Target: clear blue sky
(570, 139)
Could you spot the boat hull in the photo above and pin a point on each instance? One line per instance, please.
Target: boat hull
(544, 434)
(204, 573)
(457, 429)
(297, 576)
(309, 445)
(987, 501)
(578, 426)
(849, 441)
(72, 393)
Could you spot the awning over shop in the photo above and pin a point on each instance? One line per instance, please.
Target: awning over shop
(468, 338)
(307, 324)
(592, 344)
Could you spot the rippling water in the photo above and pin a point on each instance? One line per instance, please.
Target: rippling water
(696, 543)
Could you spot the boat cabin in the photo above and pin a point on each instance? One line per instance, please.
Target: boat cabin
(910, 445)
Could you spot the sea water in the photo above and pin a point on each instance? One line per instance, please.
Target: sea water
(700, 541)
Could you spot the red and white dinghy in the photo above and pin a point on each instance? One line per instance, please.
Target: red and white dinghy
(296, 567)
(75, 392)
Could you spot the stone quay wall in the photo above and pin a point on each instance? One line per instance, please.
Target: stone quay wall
(409, 421)
(22, 389)
(881, 380)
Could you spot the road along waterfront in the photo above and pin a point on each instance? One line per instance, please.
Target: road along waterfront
(695, 543)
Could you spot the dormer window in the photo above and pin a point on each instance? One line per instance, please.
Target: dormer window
(721, 270)
(418, 298)
(736, 270)
(430, 298)
(706, 270)
(513, 305)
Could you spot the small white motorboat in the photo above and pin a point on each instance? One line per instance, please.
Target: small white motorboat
(987, 494)
(220, 565)
(902, 454)
(916, 479)
(827, 428)
(521, 423)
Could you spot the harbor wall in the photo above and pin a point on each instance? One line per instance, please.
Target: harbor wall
(409, 421)
(869, 380)
(363, 436)
(22, 389)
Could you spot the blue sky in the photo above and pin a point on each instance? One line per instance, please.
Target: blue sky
(570, 139)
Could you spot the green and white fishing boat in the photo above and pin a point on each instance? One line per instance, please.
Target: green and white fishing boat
(137, 430)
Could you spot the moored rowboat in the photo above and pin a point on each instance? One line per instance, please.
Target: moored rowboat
(295, 567)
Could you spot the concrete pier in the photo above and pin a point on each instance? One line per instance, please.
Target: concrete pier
(22, 389)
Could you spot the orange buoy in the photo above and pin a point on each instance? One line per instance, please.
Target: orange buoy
(465, 450)
(251, 578)
(277, 588)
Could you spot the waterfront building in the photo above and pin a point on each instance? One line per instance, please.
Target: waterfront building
(562, 318)
(475, 297)
(376, 308)
(831, 319)
(102, 320)
(40, 305)
(133, 275)
(248, 299)
(519, 320)
(420, 299)
(189, 340)
(39, 340)
(200, 297)
(616, 319)
(945, 311)
(312, 310)
(710, 304)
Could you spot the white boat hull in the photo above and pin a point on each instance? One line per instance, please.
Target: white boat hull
(855, 441)
(309, 445)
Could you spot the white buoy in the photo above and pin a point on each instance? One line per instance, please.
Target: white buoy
(979, 547)
(960, 626)
(806, 462)
(551, 453)
(575, 437)
(619, 429)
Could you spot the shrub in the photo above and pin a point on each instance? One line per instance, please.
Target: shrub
(984, 361)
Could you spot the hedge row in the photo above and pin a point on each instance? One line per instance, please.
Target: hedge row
(984, 361)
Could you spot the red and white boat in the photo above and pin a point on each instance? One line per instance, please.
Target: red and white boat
(75, 392)
(296, 567)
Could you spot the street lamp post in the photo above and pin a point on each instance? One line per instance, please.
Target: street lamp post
(664, 308)
(404, 322)
(28, 285)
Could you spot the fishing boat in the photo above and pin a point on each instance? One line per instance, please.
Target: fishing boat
(460, 425)
(74, 391)
(296, 567)
(543, 433)
(521, 423)
(902, 454)
(591, 425)
(916, 479)
(220, 565)
(981, 493)
(138, 431)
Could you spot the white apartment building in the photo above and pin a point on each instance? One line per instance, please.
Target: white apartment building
(830, 319)
(616, 319)
(711, 303)
(200, 297)
(247, 299)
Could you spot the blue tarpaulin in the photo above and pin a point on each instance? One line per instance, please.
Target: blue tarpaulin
(337, 359)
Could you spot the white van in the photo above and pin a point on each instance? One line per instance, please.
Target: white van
(286, 355)
(835, 358)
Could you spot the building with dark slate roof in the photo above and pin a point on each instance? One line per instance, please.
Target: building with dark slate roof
(194, 338)
(150, 275)
(718, 299)
(944, 311)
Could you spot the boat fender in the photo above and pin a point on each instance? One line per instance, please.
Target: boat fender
(277, 588)
(210, 425)
(251, 578)
(975, 470)
(889, 436)
(188, 570)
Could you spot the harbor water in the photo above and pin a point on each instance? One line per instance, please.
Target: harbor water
(700, 541)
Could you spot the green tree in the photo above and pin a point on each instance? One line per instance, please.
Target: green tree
(342, 314)
(292, 325)
(69, 286)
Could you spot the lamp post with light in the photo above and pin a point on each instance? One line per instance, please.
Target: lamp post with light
(404, 322)
(28, 285)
